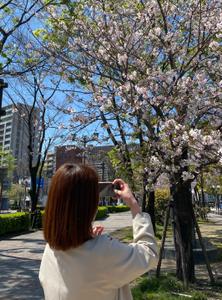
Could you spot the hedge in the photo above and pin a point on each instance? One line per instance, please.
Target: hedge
(14, 223)
(20, 222)
(102, 212)
(119, 208)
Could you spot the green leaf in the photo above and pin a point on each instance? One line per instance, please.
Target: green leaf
(39, 32)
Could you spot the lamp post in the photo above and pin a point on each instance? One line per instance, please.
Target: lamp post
(86, 140)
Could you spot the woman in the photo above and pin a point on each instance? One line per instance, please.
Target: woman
(76, 264)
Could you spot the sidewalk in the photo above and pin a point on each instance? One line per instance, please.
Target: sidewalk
(20, 259)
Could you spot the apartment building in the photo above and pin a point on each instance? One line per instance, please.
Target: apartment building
(14, 135)
(50, 164)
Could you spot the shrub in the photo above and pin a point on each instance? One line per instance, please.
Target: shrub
(171, 283)
(119, 208)
(40, 207)
(201, 212)
(102, 212)
(14, 223)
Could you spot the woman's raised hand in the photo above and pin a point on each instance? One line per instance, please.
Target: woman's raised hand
(125, 193)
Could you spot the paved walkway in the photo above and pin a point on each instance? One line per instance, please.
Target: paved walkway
(20, 259)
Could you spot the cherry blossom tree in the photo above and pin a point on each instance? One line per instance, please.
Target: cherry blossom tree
(153, 73)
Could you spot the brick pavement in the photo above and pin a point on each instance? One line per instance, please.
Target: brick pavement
(20, 258)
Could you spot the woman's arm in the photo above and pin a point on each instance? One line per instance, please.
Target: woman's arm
(125, 262)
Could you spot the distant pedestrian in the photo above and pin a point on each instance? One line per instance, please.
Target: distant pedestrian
(78, 262)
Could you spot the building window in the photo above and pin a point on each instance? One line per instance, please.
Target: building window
(6, 118)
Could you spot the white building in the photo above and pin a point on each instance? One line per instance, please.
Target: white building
(14, 135)
(50, 164)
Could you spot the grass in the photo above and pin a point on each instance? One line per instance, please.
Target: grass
(166, 287)
(210, 232)
(126, 234)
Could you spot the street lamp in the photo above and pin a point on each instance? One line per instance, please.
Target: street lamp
(86, 140)
(3, 85)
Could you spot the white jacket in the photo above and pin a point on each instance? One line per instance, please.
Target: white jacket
(101, 268)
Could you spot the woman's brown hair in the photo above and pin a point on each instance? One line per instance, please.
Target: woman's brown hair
(71, 206)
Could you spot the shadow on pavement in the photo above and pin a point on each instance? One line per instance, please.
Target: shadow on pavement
(26, 240)
(19, 278)
(20, 258)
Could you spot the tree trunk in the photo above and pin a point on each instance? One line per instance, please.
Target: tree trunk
(197, 196)
(184, 227)
(202, 189)
(34, 199)
(203, 248)
(166, 221)
(150, 208)
(1, 190)
(144, 200)
(148, 204)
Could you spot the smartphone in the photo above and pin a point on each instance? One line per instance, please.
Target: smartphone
(106, 189)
